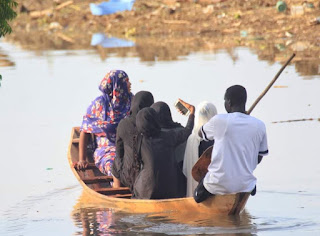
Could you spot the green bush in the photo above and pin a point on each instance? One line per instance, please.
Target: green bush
(6, 14)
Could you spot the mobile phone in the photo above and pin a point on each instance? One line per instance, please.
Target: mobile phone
(185, 111)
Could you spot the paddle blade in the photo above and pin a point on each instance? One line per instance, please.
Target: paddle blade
(200, 169)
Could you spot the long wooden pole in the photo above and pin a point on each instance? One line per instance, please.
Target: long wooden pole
(270, 84)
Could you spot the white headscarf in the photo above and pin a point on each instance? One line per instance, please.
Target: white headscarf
(204, 112)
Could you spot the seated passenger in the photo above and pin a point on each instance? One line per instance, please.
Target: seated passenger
(102, 119)
(196, 145)
(158, 176)
(167, 124)
(126, 167)
(240, 144)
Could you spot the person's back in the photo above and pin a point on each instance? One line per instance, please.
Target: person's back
(195, 145)
(238, 139)
(158, 176)
(126, 166)
(102, 118)
(240, 143)
(168, 125)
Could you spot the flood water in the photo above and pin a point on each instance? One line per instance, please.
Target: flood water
(44, 94)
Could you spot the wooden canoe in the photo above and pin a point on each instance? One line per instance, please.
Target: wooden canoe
(98, 193)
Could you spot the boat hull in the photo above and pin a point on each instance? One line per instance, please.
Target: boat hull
(231, 204)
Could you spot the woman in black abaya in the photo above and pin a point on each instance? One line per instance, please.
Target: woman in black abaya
(126, 166)
(156, 148)
(168, 125)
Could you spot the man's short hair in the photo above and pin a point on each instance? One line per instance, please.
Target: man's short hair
(237, 94)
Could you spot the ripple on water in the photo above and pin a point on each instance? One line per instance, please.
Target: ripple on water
(182, 229)
(243, 224)
(104, 221)
(36, 213)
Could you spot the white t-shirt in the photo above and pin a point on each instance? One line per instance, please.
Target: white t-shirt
(239, 139)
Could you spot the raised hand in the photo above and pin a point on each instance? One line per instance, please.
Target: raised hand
(190, 107)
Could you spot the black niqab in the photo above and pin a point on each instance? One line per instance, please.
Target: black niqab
(164, 114)
(141, 100)
(147, 122)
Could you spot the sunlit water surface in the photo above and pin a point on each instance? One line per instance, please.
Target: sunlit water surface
(43, 95)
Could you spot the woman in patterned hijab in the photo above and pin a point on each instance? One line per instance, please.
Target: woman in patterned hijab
(102, 119)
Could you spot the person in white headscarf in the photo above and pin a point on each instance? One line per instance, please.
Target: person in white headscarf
(195, 145)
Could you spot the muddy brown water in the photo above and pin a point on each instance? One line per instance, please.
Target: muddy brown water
(43, 94)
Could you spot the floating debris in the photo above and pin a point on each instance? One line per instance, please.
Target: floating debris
(281, 6)
(49, 11)
(309, 5)
(243, 33)
(300, 46)
(65, 37)
(297, 10)
(280, 46)
(315, 21)
(208, 10)
(113, 6)
(289, 34)
(55, 26)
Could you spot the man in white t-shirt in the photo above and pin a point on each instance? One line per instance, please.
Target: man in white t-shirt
(240, 142)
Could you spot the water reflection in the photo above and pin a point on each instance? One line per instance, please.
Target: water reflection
(152, 49)
(110, 42)
(105, 222)
(94, 221)
(203, 220)
(308, 68)
(5, 60)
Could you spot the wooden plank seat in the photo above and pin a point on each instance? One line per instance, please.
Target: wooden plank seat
(121, 195)
(76, 140)
(97, 179)
(113, 191)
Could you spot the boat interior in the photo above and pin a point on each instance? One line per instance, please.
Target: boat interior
(92, 176)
